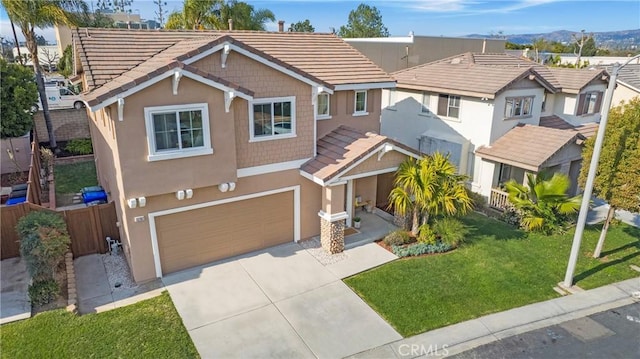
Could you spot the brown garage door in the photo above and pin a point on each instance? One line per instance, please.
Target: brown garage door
(199, 236)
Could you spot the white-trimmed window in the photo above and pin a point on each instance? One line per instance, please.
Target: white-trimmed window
(360, 103)
(518, 107)
(178, 131)
(323, 109)
(449, 106)
(272, 118)
(424, 102)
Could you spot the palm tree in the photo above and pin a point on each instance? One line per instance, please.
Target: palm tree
(197, 15)
(543, 203)
(244, 16)
(429, 187)
(29, 14)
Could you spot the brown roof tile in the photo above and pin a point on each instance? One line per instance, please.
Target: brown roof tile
(528, 146)
(342, 148)
(573, 80)
(587, 130)
(108, 54)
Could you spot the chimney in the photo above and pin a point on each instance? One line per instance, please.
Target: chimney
(230, 24)
(281, 25)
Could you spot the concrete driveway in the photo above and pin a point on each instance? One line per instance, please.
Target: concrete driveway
(280, 302)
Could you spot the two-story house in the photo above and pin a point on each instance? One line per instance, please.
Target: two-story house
(214, 144)
(498, 116)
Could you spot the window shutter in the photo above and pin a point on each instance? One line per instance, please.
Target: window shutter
(580, 109)
(371, 97)
(598, 103)
(443, 104)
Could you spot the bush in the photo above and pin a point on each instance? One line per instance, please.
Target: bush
(451, 231)
(397, 238)
(80, 146)
(44, 240)
(426, 235)
(511, 216)
(420, 249)
(479, 201)
(43, 292)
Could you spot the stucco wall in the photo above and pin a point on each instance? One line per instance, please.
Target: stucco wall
(623, 93)
(566, 105)
(67, 124)
(501, 125)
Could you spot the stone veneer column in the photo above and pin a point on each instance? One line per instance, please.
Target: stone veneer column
(332, 235)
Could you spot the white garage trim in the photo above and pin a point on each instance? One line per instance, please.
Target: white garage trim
(153, 215)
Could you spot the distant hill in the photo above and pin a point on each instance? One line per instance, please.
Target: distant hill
(610, 39)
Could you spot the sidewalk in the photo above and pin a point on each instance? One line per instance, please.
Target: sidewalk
(463, 336)
(600, 209)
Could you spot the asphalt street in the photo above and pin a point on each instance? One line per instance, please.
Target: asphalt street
(611, 334)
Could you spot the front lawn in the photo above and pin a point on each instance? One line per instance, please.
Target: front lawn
(498, 269)
(149, 329)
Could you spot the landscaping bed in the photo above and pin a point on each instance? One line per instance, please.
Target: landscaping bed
(148, 329)
(498, 267)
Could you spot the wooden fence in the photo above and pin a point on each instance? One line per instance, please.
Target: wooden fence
(34, 186)
(87, 227)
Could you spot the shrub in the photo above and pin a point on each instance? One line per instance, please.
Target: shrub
(451, 231)
(426, 235)
(397, 238)
(80, 146)
(43, 292)
(479, 201)
(511, 216)
(420, 249)
(44, 241)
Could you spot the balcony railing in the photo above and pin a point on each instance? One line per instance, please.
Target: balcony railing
(499, 199)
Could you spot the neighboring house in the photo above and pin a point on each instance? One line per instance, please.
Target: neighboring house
(486, 110)
(402, 52)
(214, 144)
(627, 83)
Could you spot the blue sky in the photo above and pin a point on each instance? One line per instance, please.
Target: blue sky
(441, 17)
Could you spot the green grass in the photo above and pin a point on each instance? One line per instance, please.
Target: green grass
(149, 329)
(73, 177)
(500, 268)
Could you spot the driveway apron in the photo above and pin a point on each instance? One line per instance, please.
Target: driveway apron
(279, 303)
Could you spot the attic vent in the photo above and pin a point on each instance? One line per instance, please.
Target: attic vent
(456, 61)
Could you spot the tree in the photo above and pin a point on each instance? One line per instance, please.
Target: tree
(50, 59)
(543, 203)
(617, 178)
(540, 45)
(29, 14)
(161, 13)
(196, 15)
(589, 48)
(579, 45)
(364, 21)
(429, 187)
(302, 26)
(65, 65)
(244, 16)
(18, 95)
(115, 5)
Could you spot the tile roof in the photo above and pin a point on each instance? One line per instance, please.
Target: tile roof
(528, 146)
(485, 75)
(341, 148)
(130, 56)
(587, 130)
(629, 75)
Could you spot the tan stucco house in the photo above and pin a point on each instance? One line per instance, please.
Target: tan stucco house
(214, 144)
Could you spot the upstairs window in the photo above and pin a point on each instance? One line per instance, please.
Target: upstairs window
(272, 118)
(178, 131)
(449, 106)
(518, 107)
(360, 107)
(589, 103)
(425, 103)
(323, 106)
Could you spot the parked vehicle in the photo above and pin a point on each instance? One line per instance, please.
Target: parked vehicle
(61, 98)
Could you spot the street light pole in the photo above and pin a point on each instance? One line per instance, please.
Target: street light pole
(588, 190)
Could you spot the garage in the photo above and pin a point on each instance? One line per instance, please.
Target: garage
(199, 236)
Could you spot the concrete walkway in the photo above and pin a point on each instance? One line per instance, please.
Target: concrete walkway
(473, 333)
(14, 294)
(95, 293)
(598, 213)
(280, 303)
